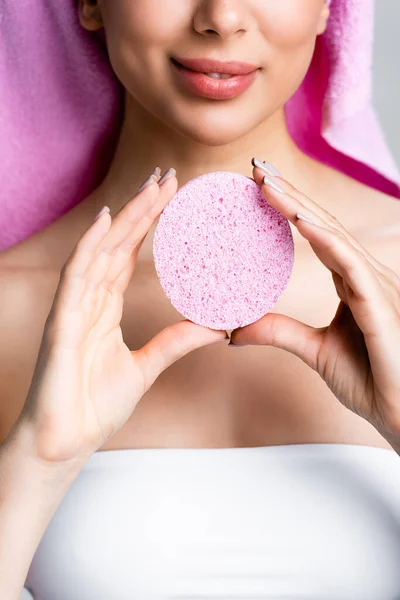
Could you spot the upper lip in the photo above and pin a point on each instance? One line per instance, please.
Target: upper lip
(208, 65)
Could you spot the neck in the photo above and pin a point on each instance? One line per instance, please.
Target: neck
(145, 142)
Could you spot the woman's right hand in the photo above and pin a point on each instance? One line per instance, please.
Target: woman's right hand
(87, 382)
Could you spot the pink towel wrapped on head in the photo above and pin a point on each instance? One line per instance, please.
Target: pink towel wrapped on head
(61, 109)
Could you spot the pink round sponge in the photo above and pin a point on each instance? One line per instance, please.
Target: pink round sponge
(223, 255)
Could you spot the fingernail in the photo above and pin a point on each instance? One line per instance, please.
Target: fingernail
(272, 183)
(147, 182)
(103, 210)
(166, 175)
(230, 345)
(157, 172)
(304, 218)
(265, 166)
(272, 168)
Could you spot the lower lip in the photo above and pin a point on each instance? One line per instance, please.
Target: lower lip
(210, 87)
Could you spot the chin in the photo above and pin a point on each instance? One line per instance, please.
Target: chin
(211, 131)
(212, 137)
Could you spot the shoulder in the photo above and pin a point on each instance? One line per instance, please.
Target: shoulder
(382, 235)
(382, 209)
(370, 216)
(26, 296)
(372, 210)
(25, 301)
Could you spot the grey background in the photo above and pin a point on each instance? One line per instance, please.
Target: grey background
(386, 80)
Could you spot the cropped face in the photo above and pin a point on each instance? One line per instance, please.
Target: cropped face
(145, 37)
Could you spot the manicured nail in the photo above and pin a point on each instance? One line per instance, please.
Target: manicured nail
(304, 218)
(272, 183)
(166, 175)
(272, 168)
(103, 210)
(265, 166)
(147, 182)
(157, 172)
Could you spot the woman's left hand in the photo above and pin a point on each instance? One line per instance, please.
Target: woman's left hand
(358, 354)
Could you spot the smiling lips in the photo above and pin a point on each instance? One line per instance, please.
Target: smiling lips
(208, 65)
(200, 76)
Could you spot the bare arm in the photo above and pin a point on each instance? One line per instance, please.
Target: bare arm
(30, 493)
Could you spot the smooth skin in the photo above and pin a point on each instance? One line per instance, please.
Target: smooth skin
(213, 397)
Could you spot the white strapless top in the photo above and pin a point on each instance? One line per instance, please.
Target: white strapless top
(302, 521)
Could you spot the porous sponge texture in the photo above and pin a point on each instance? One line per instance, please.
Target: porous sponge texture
(223, 255)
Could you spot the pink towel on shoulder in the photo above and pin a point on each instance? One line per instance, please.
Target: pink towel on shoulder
(60, 114)
(338, 123)
(61, 109)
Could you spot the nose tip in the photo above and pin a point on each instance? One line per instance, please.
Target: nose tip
(221, 18)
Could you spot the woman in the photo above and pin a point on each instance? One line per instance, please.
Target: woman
(271, 471)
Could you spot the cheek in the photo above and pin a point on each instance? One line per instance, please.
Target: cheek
(138, 31)
(291, 25)
(290, 31)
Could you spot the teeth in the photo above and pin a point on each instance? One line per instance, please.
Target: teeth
(219, 75)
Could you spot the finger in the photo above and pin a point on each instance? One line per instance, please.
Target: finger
(88, 264)
(283, 332)
(305, 203)
(360, 279)
(123, 263)
(132, 223)
(110, 256)
(72, 285)
(331, 246)
(341, 292)
(123, 258)
(88, 253)
(387, 278)
(141, 213)
(171, 344)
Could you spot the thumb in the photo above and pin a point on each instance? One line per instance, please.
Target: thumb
(283, 332)
(171, 344)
